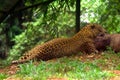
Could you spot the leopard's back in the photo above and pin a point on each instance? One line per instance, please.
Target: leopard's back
(52, 49)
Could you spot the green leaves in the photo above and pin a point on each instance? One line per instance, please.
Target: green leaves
(103, 12)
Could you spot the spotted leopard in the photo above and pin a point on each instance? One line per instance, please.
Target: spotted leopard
(60, 47)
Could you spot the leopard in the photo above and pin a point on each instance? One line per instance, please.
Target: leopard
(60, 47)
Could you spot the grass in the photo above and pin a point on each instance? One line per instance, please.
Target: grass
(63, 68)
(70, 68)
(3, 76)
(109, 61)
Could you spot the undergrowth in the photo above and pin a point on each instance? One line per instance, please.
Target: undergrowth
(70, 68)
(63, 68)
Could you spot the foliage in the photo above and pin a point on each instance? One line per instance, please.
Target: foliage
(103, 12)
(44, 28)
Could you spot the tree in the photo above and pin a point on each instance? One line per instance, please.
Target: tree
(77, 15)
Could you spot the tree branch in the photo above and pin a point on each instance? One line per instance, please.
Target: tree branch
(3, 12)
(12, 10)
(35, 5)
(6, 13)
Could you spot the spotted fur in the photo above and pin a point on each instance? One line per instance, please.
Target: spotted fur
(59, 47)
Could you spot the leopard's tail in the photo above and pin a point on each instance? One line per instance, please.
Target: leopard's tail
(24, 58)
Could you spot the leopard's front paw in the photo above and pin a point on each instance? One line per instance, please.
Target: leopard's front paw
(96, 51)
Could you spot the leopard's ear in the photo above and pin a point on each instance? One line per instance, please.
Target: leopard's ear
(92, 26)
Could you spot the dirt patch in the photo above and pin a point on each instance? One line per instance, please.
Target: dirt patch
(57, 79)
(117, 72)
(10, 70)
(86, 57)
(115, 78)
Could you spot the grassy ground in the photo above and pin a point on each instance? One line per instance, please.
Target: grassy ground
(79, 67)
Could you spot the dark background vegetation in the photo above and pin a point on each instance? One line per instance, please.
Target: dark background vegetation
(26, 23)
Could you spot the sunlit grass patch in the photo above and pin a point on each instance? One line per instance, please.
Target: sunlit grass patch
(3, 76)
(108, 61)
(63, 68)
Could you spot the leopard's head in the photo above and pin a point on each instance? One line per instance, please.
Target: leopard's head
(95, 29)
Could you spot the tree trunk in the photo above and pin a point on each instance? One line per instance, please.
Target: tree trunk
(77, 15)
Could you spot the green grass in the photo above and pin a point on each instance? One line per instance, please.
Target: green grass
(63, 68)
(110, 61)
(3, 76)
(71, 68)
